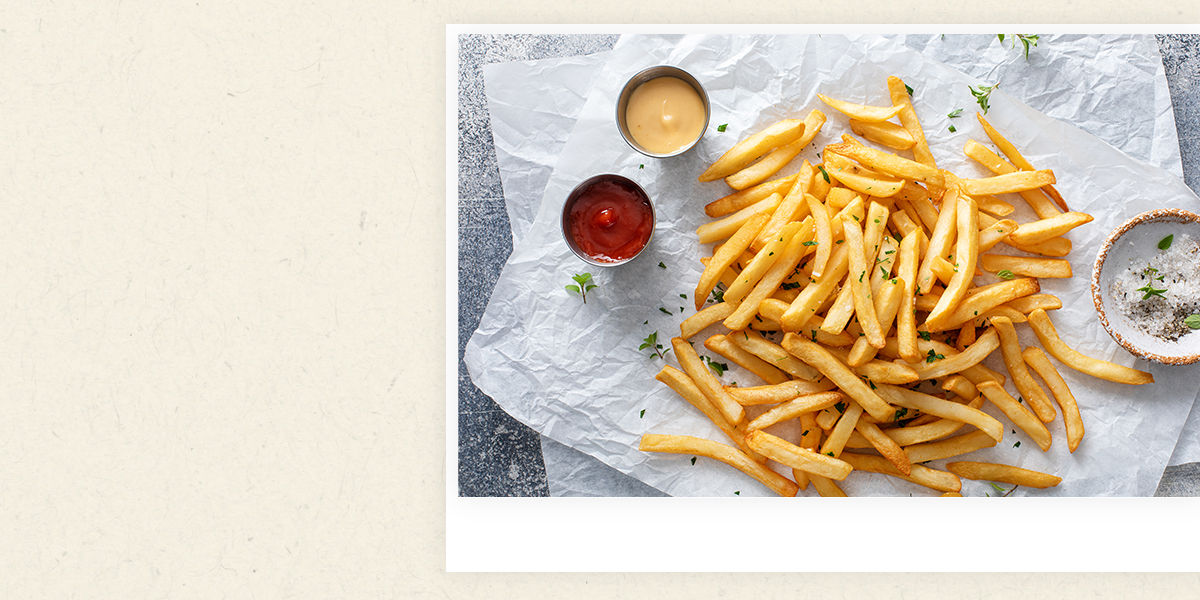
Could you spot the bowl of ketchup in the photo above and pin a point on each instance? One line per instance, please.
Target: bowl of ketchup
(608, 220)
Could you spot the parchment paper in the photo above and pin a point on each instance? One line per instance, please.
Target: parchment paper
(572, 371)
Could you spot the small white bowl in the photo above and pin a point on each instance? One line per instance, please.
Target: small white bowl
(1135, 243)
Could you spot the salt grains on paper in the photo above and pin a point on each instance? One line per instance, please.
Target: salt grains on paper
(1164, 292)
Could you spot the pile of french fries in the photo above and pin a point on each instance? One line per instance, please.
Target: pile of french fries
(866, 264)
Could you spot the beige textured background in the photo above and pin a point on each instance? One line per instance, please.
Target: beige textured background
(222, 306)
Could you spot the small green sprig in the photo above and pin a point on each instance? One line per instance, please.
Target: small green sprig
(982, 93)
(1027, 40)
(1151, 291)
(585, 285)
(933, 355)
(1192, 321)
(718, 368)
(651, 342)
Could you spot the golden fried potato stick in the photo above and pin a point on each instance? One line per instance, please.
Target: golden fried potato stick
(859, 178)
(965, 256)
(986, 298)
(1034, 198)
(773, 354)
(810, 439)
(994, 206)
(1014, 155)
(1018, 181)
(864, 307)
(776, 394)
(795, 407)
(823, 231)
(686, 444)
(805, 305)
(739, 200)
(955, 446)
(1036, 359)
(893, 165)
(960, 386)
(1045, 229)
(841, 432)
(1028, 304)
(725, 256)
(915, 434)
(826, 487)
(789, 454)
(908, 118)
(995, 233)
(707, 382)
(887, 302)
(883, 133)
(763, 261)
(729, 226)
(1030, 267)
(1058, 246)
(940, 241)
(932, 367)
(837, 371)
(943, 408)
(744, 152)
(839, 313)
(773, 309)
(1002, 474)
(906, 319)
(686, 387)
(1040, 322)
(921, 475)
(779, 157)
(701, 320)
(1010, 349)
(885, 445)
(764, 370)
(861, 112)
(1020, 416)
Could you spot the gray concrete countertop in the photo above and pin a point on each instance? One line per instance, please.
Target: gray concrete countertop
(498, 456)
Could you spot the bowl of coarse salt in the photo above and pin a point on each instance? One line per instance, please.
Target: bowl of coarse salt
(1146, 286)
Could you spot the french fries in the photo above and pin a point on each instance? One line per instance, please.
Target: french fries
(866, 263)
(683, 444)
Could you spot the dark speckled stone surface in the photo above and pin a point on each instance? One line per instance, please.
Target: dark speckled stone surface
(497, 455)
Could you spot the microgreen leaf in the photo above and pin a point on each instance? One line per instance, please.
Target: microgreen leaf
(909, 89)
(932, 356)
(954, 114)
(585, 285)
(722, 127)
(1192, 321)
(824, 173)
(643, 414)
(924, 335)
(982, 93)
(662, 266)
(651, 342)
(1005, 274)
(1151, 291)
(1165, 243)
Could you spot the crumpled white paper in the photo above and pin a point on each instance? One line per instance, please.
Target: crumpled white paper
(572, 371)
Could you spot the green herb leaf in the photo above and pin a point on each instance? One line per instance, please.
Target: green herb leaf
(1017, 445)
(999, 488)
(1005, 274)
(1192, 321)
(952, 129)
(585, 285)
(693, 461)
(1165, 243)
(684, 296)
(982, 93)
(1001, 36)
(932, 356)
(910, 90)
(642, 166)
(662, 266)
(823, 173)
(954, 114)
(1151, 291)
(643, 414)
(572, 288)
(664, 311)
(722, 127)
(923, 335)
(810, 243)
(840, 406)
(737, 493)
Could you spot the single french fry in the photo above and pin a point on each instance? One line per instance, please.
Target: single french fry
(943, 408)
(908, 118)
(686, 444)
(839, 373)
(823, 231)
(725, 256)
(795, 407)
(789, 454)
(707, 382)
(776, 394)
(1040, 231)
(860, 112)
(955, 446)
(980, 471)
(961, 387)
(965, 255)
(986, 298)
(779, 157)
(1036, 359)
(744, 152)
(826, 487)
(994, 206)
(886, 446)
(890, 164)
(940, 242)
(703, 319)
(1044, 328)
(859, 178)
(933, 367)
(773, 354)
(729, 226)
(1010, 349)
(836, 441)
(764, 370)
(810, 438)
(1028, 304)
(762, 262)
(805, 305)
(864, 308)
(883, 133)
(1022, 417)
(686, 387)
(917, 434)
(995, 233)
(921, 475)
(1018, 181)
(906, 320)
(1014, 155)
(736, 201)
(1058, 246)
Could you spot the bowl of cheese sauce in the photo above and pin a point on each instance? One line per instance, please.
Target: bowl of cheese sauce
(662, 111)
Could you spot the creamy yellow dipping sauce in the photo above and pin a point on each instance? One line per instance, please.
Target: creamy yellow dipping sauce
(664, 115)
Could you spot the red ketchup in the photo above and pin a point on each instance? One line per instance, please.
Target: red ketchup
(611, 221)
